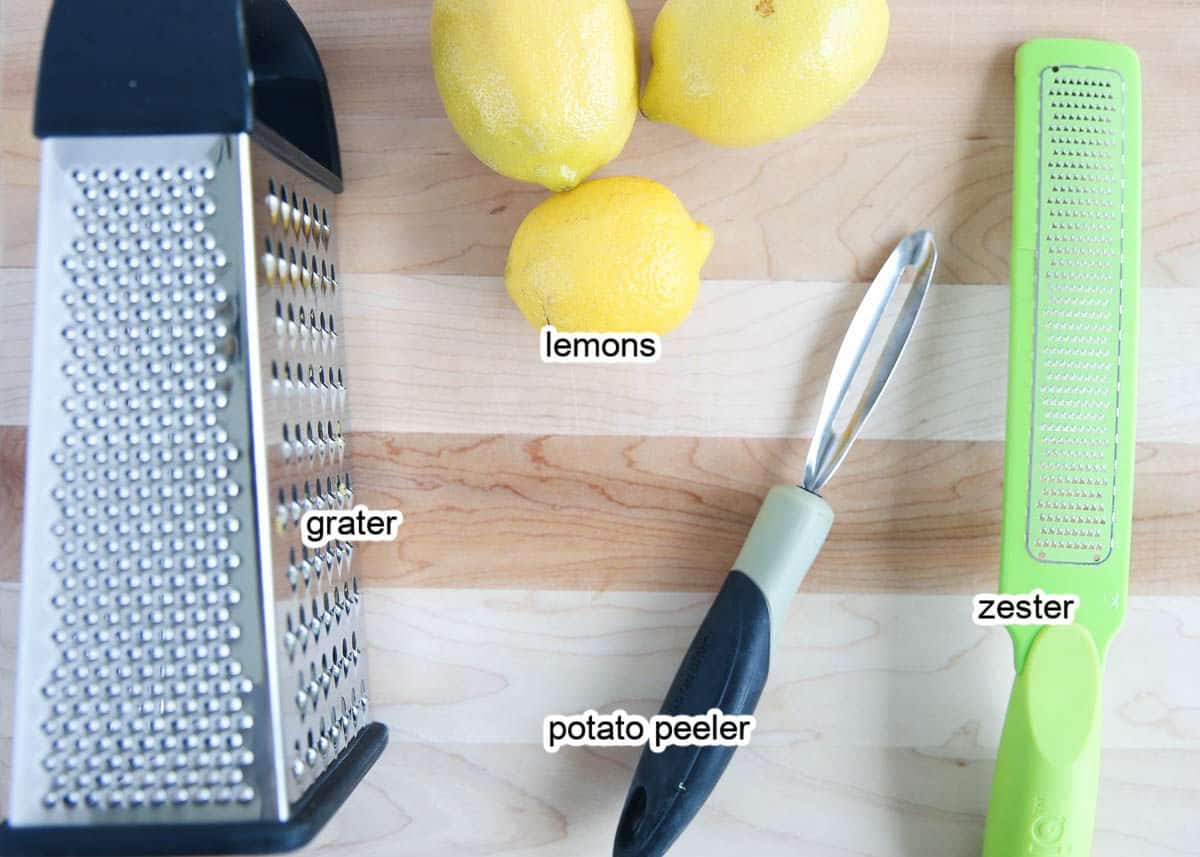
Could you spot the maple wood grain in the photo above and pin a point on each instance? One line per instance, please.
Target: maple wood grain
(670, 513)
(875, 733)
(452, 354)
(926, 143)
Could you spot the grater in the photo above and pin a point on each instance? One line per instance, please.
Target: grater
(191, 678)
(1069, 448)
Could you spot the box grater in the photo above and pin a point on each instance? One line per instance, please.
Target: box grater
(191, 678)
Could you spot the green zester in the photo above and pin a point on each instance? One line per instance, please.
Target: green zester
(1069, 451)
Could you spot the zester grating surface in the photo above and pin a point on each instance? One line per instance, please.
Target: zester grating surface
(319, 650)
(1078, 328)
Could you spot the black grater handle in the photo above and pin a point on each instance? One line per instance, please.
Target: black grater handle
(291, 92)
(132, 67)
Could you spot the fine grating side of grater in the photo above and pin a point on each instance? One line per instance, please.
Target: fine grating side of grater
(191, 678)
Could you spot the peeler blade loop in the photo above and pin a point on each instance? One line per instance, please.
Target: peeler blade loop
(918, 252)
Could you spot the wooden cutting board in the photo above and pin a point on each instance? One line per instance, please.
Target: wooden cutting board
(566, 526)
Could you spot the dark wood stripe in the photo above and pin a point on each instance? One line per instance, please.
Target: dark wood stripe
(670, 514)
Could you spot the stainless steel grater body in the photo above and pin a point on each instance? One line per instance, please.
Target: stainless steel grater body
(191, 678)
(183, 656)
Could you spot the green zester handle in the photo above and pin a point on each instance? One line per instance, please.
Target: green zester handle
(1043, 800)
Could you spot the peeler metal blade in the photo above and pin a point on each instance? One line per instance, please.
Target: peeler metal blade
(917, 251)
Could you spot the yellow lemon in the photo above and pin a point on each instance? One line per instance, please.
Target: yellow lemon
(743, 72)
(612, 255)
(543, 91)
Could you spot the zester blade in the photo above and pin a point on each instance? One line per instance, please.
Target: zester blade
(1079, 293)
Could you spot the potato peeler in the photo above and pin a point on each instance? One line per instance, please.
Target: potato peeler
(191, 679)
(727, 663)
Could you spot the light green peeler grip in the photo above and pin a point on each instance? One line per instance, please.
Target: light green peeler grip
(1044, 791)
(787, 535)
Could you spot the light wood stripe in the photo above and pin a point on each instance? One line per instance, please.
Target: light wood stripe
(798, 800)
(856, 670)
(924, 144)
(560, 555)
(792, 801)
(451, 666)
(464, 679)
(502, 511)
(452, 354)
(16, 344)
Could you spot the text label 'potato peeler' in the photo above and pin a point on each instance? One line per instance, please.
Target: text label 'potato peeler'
(727, 663)
(190, 678)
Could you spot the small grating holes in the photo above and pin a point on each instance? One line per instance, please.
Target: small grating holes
(147, 695)
(1079, 299)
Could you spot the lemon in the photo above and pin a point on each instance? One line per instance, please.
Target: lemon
(613, 255)
(543, 91)
(743, 72)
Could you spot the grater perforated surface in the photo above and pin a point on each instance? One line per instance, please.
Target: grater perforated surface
(1079, 282)
(141, 645)
(319, 646)
(183, 657)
